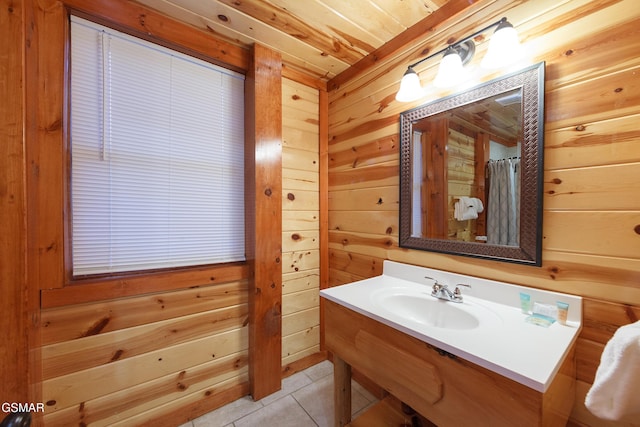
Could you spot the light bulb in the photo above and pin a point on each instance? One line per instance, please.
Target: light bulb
(410, 87)
(504, 47)
(451, 71)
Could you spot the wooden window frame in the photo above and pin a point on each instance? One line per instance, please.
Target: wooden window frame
(47, 127)
(48, 190)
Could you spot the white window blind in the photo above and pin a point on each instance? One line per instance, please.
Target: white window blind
(157, 162)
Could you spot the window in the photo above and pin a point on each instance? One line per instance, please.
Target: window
(157, 162)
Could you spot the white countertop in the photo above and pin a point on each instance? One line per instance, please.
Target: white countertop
(502, 342)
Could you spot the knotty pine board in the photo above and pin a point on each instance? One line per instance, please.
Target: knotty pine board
(300, 281)
(76, 321)
(300, 222)
(299, 240)
(596, 187)
(293, 221)
(300, 200)
(189, 385)
(92, 351)
(300, 261)
(384, 198)
(300, 343)
(73, 389)
(295, 158)
(299, 301)
(301, 321)
(599, 143)
(296, 179)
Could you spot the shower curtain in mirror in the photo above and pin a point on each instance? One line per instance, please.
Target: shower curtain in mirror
(503, 204)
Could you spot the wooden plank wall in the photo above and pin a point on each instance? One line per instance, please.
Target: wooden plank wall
(300, 222)
(591, 220)
(130, 360)
(156, 353)
(460, 173)
(149, 349)
(159, 348)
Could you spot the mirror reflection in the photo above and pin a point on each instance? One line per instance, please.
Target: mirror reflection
(466, 164)
(471, 171)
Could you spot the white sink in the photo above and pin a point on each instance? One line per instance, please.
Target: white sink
(420, 307)
(430, 311)
(487, 327)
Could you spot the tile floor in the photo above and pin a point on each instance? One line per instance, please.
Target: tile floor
(306, 399)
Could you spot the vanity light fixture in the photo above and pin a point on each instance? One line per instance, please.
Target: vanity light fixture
(504, 48)
(451, 69)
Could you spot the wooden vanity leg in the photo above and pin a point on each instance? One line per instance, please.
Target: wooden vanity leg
(341, 392)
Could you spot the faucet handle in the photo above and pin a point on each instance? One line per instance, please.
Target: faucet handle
(457, 291)
(436, 288)
(436, 285)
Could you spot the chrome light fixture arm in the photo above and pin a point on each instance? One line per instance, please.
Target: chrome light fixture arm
(458, 43)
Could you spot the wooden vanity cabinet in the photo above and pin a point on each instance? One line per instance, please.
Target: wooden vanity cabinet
(447, 390)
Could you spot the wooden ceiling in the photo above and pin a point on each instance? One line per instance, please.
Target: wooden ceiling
(320, 38)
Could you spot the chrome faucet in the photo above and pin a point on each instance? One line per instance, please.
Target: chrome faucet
(443, 292)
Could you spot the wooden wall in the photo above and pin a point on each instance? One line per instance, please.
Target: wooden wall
(462, 180)
(591, 212)
(161, 353)
(130, 361)
(157, 348)
(300, 222)
(591, 220)
(16, 303)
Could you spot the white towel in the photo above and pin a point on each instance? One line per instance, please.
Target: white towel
(467, 208)
(614, 394)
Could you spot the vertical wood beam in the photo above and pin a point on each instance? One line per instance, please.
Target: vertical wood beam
(481, 151)
(14, 350)
(263, 206)
(45, 150)
(323, 190)
(436, 168)
(33, 100)
(341, 392)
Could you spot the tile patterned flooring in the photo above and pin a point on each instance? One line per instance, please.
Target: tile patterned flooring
(306, 399)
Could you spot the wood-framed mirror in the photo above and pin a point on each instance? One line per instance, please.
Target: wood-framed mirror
(471, 171)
